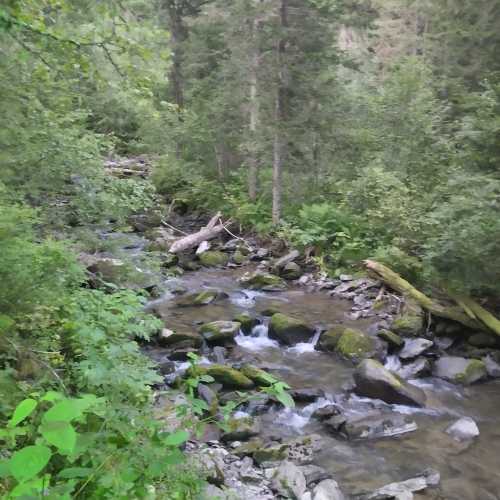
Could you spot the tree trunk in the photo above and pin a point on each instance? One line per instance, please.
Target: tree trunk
(178, 35)
(253, 164)
(280, 103)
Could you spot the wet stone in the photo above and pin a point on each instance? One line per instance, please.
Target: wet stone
(463, 429)
(415, 347)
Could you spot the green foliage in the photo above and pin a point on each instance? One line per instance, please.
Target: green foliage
(61, 447)
(31, 273)
(106, 358)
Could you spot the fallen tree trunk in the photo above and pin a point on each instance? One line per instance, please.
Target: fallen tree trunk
(396, 282)
(210, 231)
(480, 313)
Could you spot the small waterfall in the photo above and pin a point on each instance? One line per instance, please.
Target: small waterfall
(257, 340)
(298, 419)
(310, 346)
(393, 363)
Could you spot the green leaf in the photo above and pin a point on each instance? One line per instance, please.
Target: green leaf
(62, 435)
(52, 396)
(31, 489)
(285, 399)
(28, 462)
(6, 322)
(176, 438)
(207, 378)
(23, 410)
(69, 409)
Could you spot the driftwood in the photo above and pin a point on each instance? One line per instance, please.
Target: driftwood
(210, 231)
(476, 311)
(399, 284)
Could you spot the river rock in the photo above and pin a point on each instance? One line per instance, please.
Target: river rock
(247, 322)
(417, 368)
(460, 370)
(374, 425)
(404, 490)
(225, 375)
(202, 298)
(307, 395)
(260, 280)
(213, 258)
(207, 394)
(374, 381)
(414, 348)
(355, 345)
(289, 330)
(329, 339)
(280, 263)
(169, 338)
(220, 332)
(327, 490)
(291, 271)
(239, 257)
(258, 376)
(314, 474)
(289, 481)
(241, 429)
(463, 429)
(394, 340)
(326, 412)
(411, 321)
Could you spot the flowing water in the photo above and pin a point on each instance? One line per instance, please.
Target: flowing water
(468, 472)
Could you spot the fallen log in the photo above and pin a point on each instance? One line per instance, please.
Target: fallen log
(480, 313)
(210, 231)
(399, 284)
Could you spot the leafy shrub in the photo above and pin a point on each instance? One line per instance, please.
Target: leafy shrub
(31, 273)
(106, 358)
(60, 447)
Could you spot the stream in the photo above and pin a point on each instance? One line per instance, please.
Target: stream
(469, 471)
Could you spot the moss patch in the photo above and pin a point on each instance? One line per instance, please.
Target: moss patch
(214, 258)
(355, 345)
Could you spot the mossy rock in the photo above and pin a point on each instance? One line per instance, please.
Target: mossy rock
(373, 380)
(247, 322)
(214, 258)
(263, 281)
(241, 429)
(411, 321)
(329, 339)
(239, 257)
(271, 453)
(225, 375)
(220, 332)
(460, 370)
(258, 376)
(198, 298)
(391, 338)
(170, 338)
(289, 330)
(355, 345)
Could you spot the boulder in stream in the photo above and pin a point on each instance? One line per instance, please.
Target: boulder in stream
(258, 376)
(291, 271)
(404, 490)
(186, 339)
(225, 375)
(463, 429)
(280, 263)
(220, 332)
(202, 298)
(213, 258)
(460, 370)
(241, 429)
(289, 481)
(411, 321)
(247, 322)
(327, 490)
(260, 280)
(355, 345)
(415, 347)
(289, 330)
(374, 381)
